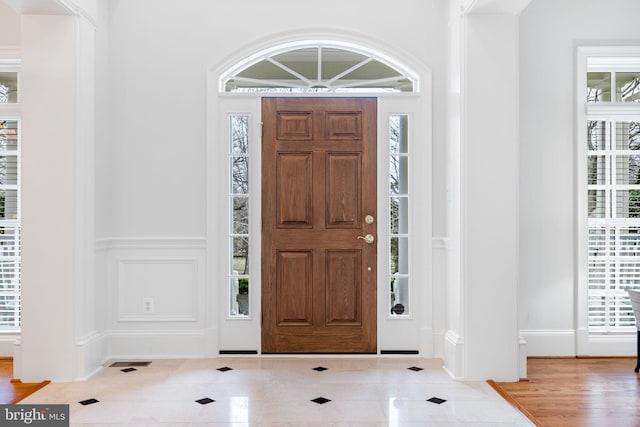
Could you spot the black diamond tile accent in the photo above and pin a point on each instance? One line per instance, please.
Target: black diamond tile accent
(320, 369)
(205, 400)
(436, 400)
(320, 400)
(415, 368)
(225, 369)
(128, 369)
(88, 401)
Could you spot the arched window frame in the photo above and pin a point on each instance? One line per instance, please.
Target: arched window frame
(318, 85)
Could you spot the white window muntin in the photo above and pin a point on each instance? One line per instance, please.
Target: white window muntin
(298, 83)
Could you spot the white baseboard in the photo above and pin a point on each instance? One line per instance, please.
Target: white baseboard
(522, 356)
(157, 344)
(7, 343)
(90, 353)
(549, 342)
(563, 343)
(454, 355)
(438, 344)
(611, 345)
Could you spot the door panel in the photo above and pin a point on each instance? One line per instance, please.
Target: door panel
(343, 190)
(344, 302)
(319, 182)
(294, 291)
(294, 193)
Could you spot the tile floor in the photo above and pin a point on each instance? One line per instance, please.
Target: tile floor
(265, 391)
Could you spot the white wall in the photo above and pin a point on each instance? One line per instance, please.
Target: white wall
(550, 31)
(150, 220)
(151, 154)
(160, 51)
(9, 26)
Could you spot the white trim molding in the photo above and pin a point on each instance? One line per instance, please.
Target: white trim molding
(85, 8)
(612, 345)
(8, 340)
(90, 352)
(514, 7)
(109, 243)
(454, 355)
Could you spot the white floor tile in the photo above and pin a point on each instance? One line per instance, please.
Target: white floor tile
(270, 392)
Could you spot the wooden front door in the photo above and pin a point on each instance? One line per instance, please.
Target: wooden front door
(318, 204)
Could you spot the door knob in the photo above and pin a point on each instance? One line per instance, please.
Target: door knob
(368, 238)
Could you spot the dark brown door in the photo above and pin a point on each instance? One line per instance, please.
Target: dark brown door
(319, 197)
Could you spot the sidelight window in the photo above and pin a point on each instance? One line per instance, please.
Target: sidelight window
(239, 240)
(399, 284)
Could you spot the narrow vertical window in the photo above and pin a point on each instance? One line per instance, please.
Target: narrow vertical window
(399, 284)
(10, 260)
(239, 216)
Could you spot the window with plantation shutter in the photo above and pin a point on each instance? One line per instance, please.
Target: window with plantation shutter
(9, 225)
(10, 261)
(613, 195)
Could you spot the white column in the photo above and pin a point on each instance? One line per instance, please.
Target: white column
(57, 93)
(483, 340)
(48, 199)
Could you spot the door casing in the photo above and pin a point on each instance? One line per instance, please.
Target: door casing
(412, 333)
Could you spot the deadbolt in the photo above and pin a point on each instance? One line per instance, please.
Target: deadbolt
(369, 219)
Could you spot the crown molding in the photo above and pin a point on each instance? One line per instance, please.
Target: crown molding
(514, 7)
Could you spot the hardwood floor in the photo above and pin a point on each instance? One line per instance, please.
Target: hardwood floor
(577, 392)
(12, 391)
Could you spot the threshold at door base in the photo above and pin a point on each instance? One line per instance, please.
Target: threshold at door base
(319, 353)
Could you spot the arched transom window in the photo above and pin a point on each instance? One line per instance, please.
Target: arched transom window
(318, 67)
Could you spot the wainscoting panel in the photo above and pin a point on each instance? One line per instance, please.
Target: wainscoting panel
(157, 297)
(157, 289)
